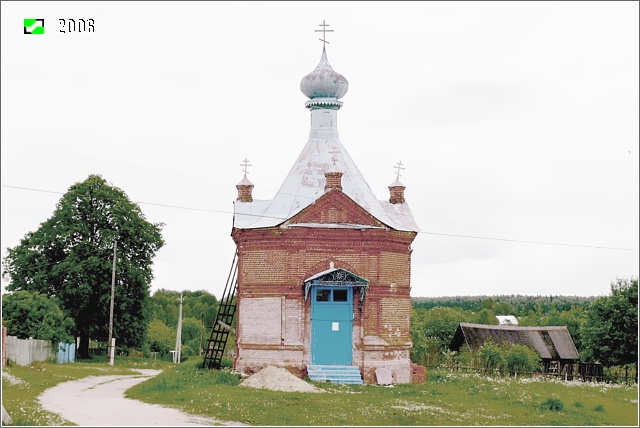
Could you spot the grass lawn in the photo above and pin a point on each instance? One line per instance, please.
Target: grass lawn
(21, 399)
(445, 399)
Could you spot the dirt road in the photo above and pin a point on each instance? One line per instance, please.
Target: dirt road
(100, 401)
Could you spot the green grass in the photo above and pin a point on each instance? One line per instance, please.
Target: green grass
(21, 400)
(445, 399)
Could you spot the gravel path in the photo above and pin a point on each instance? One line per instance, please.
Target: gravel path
(100, 401)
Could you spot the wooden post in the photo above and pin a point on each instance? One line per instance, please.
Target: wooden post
(111, 343)
(179, 334)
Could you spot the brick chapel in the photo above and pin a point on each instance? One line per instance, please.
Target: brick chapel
(324, 266)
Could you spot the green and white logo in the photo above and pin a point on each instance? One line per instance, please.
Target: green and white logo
(33, 26)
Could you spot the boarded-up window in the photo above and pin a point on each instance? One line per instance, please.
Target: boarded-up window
(261, 319)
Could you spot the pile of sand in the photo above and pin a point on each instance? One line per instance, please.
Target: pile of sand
(278, 379)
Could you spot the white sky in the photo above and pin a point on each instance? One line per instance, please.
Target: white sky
(514, 120)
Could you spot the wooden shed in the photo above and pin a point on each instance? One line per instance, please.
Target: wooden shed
(553, 343)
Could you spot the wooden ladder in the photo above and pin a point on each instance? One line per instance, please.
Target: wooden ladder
(224, 319)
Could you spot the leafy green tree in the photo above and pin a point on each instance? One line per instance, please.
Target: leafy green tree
(191, 335)
(609, 335)
(30, 314)
(486, 316)
(201, 305)
(164, 306)
(503, 308)
(70, 257)
(432, 331)
(531, 319)
(161, 338)
(517, 305)
(488, 303)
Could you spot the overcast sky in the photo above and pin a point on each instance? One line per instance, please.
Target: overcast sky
(516, 121)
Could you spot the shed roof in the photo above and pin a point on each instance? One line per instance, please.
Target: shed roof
(551, 342)
(507, 319)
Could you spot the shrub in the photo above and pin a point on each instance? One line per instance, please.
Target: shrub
(468, 359)
(226, 362)
(599, 408)
(553, 404)
(491, 357)
(521, 358)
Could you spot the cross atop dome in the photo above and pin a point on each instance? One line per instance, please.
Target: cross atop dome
(323, 82)
(398, 167)
(324, 35)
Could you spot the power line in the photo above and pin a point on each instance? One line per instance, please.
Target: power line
(530, 242)
(421, 232)
(153, 203)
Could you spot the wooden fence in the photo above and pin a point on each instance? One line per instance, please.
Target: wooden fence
(585, 372)
(26, 351)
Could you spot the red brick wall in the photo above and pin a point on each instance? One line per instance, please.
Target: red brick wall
(4, 348)
(273, 264)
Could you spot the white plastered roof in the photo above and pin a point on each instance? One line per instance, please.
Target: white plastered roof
(305, 183)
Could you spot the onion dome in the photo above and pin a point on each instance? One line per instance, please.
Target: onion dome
(323, 82)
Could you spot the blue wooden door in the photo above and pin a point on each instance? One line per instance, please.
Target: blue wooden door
(331, 325)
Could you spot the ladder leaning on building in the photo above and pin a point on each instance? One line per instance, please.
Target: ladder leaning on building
(224, 318)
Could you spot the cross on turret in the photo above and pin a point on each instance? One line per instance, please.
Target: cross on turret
(245, 163)
(324, 33)
(398, 167)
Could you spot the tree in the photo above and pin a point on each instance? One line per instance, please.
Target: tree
(70, 257)
(432, 331)
(191, 335)
(503, 308)
(29, 314)
(201, 305)
(161, 338)
(609, 335)
(486, 316)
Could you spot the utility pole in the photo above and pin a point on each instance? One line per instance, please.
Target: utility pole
(111, 344)
(201, 332)
(176, 356)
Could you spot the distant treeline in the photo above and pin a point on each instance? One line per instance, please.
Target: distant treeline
(514, 304)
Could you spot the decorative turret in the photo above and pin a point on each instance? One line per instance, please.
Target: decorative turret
(396, 189)
(245, 187)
